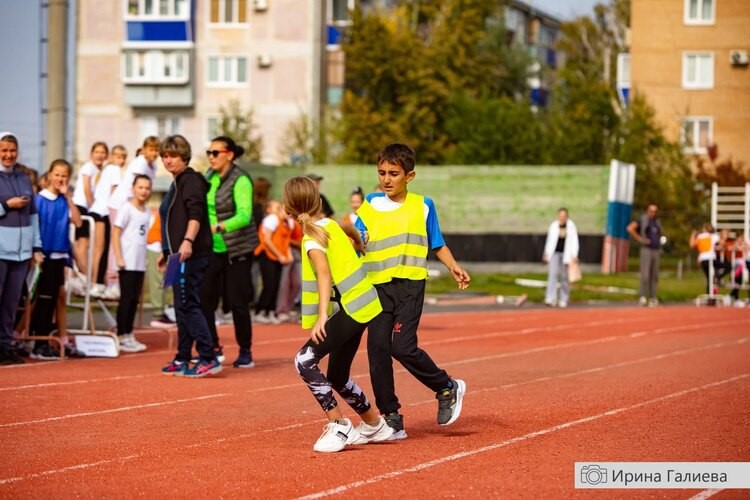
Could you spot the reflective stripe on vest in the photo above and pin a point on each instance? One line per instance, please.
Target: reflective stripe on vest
(359, 298)
(398, 243)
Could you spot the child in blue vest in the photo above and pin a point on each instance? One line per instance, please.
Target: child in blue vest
(399, 228)
(56, 210)
(331, 271)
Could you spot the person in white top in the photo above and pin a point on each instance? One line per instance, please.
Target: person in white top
(142, 164)
(108, 181)
(129, 245)
(560, 250)
(83, 198)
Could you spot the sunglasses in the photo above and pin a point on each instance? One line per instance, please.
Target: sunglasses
(215, 152)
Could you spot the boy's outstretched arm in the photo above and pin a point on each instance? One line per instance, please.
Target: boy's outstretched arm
(459, 274)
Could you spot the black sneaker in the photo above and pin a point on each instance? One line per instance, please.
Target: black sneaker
(396, 422)
(44, 352)
(244, 360)
(9, 357)
(72, 351)
(449, 402)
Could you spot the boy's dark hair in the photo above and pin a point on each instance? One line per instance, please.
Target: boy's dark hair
(398, 154)
(141, 176)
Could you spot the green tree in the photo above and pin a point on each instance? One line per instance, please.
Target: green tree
(305, 141)
(239, 125)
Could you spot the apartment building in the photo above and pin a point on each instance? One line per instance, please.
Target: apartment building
(690, 59)
(159, 67)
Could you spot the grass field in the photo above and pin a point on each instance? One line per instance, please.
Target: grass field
(591, 288)
(479, 199)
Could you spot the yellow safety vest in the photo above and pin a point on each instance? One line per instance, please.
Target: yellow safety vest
(358, 297)
(397, 247)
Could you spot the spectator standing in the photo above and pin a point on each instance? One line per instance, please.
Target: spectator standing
(708, 243)
(83, 197)
(186, 232)
(235, 237)
(647, 232)
(20, 240)
(272, 253)
(560, 250)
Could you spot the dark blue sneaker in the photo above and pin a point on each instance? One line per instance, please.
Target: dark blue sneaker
(204, 369)
(175, 369)
(244, 360)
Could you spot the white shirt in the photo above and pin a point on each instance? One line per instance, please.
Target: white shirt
(571, 248)
(385, 204)
(311, 244)
(124, 191)
(134, 224)
(79, 195)
(109, 178)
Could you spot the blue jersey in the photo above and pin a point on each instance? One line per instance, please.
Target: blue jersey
(382, 203)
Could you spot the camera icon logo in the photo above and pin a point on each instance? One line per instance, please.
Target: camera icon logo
(593, 475)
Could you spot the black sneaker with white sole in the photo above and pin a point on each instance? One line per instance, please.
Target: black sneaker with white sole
(395, 422)
(450, 402)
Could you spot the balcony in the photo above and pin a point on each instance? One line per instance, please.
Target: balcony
(157, 77)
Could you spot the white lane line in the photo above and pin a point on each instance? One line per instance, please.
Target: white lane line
(597, 369)
(70, 468)
(469, 453)
(705, 494)
(319, 421)
(73, 382)
(113, 410)
(572, 326)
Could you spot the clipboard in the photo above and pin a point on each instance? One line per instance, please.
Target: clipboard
(174, 268)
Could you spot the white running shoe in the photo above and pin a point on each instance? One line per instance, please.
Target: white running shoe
(562, 304)
(336, 435)
(374, 433)
(112, 292)
(128, 343)
(283, 318)
(272, 319)
(169, 312)
(261, 319)
(97, 290)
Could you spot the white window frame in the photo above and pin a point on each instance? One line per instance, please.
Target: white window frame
(156, 16)
(165, 125)
(699, 21)
(155, 58)
(691, 145)
(350, 5)
(208, 131)
(224, 83)
(236, 11)
(686, 84)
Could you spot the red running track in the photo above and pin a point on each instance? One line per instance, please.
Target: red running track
(546, 388)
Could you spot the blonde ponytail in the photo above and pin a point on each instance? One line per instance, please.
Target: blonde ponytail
(302, 200)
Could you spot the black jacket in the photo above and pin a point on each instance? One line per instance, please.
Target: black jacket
(186, 201)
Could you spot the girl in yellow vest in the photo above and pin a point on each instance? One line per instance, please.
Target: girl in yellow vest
(331, 271)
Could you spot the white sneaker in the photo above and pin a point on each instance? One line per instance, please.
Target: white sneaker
(112, 292)
(272, 319)
(374, 433)
(336, 435)
(562, 304)
(653, 302)
(643, 301)
(283, 318)
(97, 290)
(128, 343)
(261, 318)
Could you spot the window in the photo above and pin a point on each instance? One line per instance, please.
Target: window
(338, 12)
(156, 66)
(698, 70)
(160, 126)
(228, 11)
(157, 9)
(699, 11)
(697, 134)
(227, 71)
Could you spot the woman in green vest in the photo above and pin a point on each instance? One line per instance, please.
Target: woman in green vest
(331, 272)
(230, 206)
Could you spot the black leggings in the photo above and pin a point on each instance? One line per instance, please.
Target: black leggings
(341, 342)
(131, 284)
(51, 280)
(271, 272)
(102, 271)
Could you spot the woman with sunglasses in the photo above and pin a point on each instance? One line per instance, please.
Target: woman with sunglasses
(235, 236)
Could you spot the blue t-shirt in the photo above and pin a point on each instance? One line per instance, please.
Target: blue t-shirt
(381, 203)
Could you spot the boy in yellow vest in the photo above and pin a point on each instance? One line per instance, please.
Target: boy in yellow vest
(399, 228)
